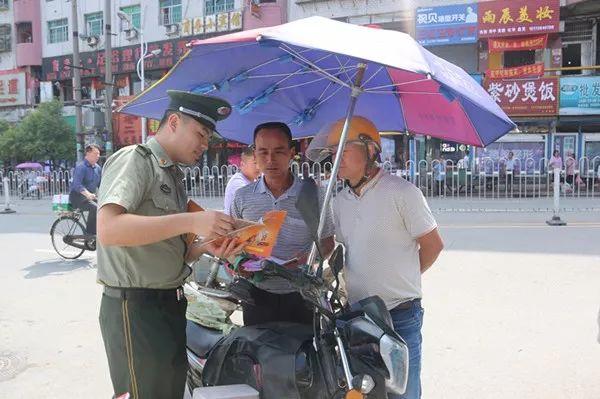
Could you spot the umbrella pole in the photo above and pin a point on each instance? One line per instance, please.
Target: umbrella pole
(356, 91)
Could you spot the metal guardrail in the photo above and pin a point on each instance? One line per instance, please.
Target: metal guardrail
(483, 178)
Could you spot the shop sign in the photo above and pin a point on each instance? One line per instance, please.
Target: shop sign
(525, 97)
(222, 22)
(124, 59)
(580, 95)
(12, 89)
(517, 72)
(127, 128)
(518, 17)
(522, 43)
(456, 24)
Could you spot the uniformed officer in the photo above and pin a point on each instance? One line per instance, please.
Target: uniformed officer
(142, 253)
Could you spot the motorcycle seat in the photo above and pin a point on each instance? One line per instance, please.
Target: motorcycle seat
(200, 339)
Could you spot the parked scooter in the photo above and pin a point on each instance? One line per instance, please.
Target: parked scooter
(350, 352)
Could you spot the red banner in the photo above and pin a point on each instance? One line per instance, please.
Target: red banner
(521, 43)
(518, 17)
(525, 97)
(536, 70)
(127, 128)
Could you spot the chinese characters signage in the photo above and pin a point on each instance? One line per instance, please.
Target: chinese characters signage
(517, 72)
(447, 25)
(580, 95)
(124, 59)
(526, 97)
(518, 17)
(127, 128)
(223, 22)
(522, 43)
(12, 89)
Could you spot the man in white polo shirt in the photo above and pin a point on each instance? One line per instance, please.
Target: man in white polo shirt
(247, 174)
(389, 233)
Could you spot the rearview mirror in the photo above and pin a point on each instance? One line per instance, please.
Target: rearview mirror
(308, 205)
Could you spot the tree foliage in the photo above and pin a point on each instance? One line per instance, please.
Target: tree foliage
(42, 135)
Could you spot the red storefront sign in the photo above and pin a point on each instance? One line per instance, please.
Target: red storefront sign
(516, 44)
(518, 17)
(525, 97)
(127, 128)
(536, 70)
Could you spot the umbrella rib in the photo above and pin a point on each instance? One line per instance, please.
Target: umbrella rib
(277, 75)
(371, 78)
(396, 84)
(300, 84)
(312, 65)
(401, 92)
(343, 67)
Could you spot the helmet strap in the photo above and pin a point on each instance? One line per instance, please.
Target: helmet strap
(371, 160)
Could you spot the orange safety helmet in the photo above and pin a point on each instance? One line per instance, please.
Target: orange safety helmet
(361, 130)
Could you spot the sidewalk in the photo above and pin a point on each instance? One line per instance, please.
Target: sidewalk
(438, 205)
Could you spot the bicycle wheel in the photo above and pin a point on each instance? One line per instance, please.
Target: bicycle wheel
(62, 227)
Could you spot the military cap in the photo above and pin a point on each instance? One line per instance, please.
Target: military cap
(207, 110)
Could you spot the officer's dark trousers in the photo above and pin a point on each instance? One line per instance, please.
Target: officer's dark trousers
(145, 345)
(79, 201)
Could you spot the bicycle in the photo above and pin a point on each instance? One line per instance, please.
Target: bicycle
(68, 235)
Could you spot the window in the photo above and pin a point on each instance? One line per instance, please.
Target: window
(94, 24)
(24, 32)
(134, 13)
(5, 39)
(217, 6)
(571, 57)
(519, 58)
(3, 5)
(58, 31)
(170, 12)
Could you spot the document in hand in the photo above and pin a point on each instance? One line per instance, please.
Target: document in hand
(261, 236)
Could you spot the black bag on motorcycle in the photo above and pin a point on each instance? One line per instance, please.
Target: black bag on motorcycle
(263, 357)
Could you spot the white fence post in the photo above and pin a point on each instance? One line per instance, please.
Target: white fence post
(556, 221)
(6, 197)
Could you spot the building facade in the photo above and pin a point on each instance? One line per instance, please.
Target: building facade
(20, 57)
(165, 26)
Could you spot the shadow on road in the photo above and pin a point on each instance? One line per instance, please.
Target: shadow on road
(46, 268)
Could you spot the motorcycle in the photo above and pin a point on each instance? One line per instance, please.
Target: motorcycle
(350, 351)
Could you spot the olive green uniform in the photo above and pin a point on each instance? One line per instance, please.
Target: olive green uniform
(142, 314)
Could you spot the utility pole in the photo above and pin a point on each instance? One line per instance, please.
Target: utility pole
(77, 83)
(108, 79)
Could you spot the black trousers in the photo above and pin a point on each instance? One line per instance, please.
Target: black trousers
(145, 343)
(276, 307)
(79, 201)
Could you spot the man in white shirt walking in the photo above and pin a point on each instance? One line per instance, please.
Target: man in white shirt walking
(390, 236)
(247, 174)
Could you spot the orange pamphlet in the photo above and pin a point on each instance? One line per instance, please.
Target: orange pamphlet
(261, 236)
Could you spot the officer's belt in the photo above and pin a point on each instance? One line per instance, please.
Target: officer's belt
(144, 294)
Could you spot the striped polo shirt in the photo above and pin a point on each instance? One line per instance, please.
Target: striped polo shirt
(254, 200)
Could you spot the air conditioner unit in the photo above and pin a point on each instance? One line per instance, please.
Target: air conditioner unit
(131, 34)
(92, 41)
(172, 29)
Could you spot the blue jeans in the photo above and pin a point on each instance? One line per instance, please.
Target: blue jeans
(408, 323)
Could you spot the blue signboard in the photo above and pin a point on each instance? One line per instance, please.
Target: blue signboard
(579, 95)
(439, 26)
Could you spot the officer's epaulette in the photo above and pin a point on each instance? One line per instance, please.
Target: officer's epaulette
(143, 150)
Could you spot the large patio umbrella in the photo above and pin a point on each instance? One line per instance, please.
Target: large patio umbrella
(304, 73)
(312, 71)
